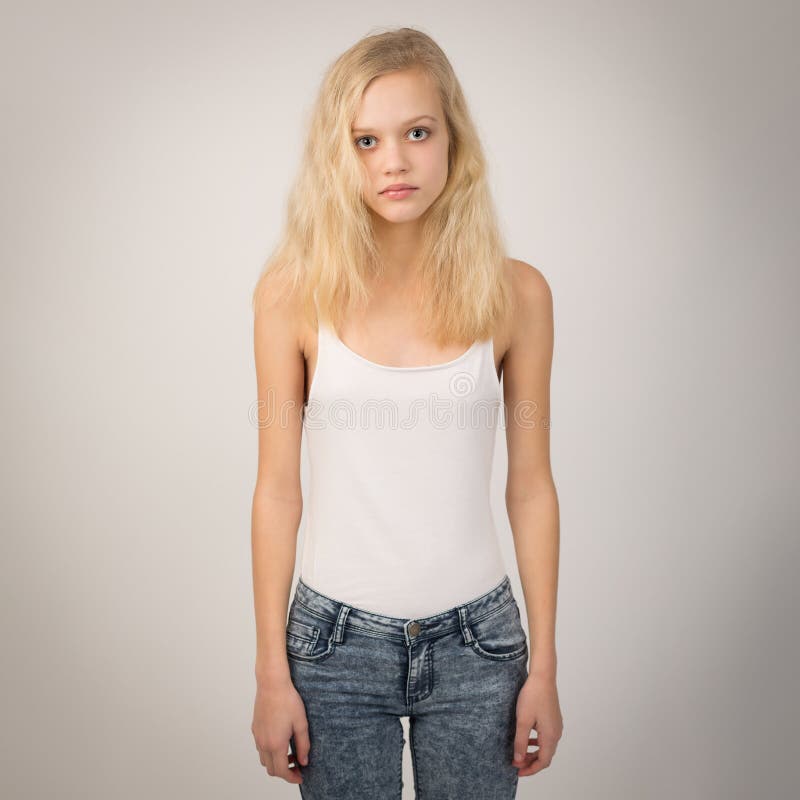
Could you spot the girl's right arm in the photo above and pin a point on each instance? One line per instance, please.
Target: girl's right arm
(279, 712)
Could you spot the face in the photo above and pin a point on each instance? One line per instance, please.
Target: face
(400, 136)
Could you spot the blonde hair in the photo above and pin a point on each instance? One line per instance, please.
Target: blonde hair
(328, 248)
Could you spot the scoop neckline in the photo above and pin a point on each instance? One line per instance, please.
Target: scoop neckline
(419, 368)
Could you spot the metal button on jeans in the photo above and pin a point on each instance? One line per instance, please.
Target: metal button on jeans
(413, 629)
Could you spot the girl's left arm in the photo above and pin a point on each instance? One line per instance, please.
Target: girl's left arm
(532, 504)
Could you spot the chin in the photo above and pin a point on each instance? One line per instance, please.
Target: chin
(399, 214)
(398, 219)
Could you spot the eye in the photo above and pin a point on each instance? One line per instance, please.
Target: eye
(412, 131)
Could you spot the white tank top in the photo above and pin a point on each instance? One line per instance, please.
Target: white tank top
(398, 516)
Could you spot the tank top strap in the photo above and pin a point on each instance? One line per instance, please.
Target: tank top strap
(321, 332)
(329, 360)
(488, 349)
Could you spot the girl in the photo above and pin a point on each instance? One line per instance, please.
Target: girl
(384, 323)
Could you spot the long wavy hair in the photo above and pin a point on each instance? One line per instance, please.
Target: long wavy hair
(328, 248)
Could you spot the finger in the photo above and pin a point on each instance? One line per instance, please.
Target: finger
(280, 763)
(521, 747)
(547, 749)
(531, 765)
(302, 745)
(539, 760)
(294, 768)
(537, 765)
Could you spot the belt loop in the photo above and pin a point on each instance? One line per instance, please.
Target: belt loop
(338, 632)
(465, 629)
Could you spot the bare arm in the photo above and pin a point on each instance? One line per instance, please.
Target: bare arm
(277, 498)
(531, 497)
(532, 502)
(277, 509)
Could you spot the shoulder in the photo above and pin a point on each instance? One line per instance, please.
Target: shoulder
(529, 286)
(277, 312)
(532, 300)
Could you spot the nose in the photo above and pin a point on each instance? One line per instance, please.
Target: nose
(395, 160)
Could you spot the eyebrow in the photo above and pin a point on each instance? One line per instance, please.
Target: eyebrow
(416, 119)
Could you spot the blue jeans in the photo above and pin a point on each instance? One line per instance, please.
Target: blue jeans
(455, 675)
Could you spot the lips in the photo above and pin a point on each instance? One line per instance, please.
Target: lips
(397, 187)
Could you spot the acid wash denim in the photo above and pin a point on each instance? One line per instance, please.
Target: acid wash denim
(456, 676)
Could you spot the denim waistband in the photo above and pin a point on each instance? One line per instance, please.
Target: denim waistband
(342, 614)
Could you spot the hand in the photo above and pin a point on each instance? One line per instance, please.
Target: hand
(280, 714)
(537, 707)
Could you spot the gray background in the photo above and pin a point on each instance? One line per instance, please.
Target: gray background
(643, 156)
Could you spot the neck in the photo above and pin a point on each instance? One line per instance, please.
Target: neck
(399, 245)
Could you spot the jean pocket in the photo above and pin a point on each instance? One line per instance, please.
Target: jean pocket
(500, 636)
(308, 637)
